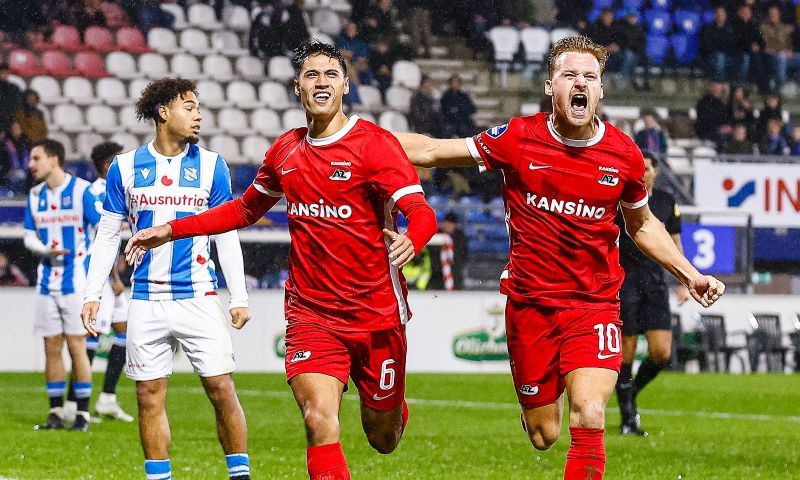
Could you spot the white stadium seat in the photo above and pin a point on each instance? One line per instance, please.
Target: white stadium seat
(243, 95)
(163, 40)
(208, 126)
(536, 43)
(136, 87)
(227, 43)
(407, 74)
(48, 88)
(505, 42)
(367, 116)
(266, 122)
(177, 11)
(69, 118)
(327, 21)
(85, 142)
(186, 66)
(280, 68)
(274, 95)
(128, 141)
(122, 65)
(294, 118)
(153, 65)
(370, 98)
(203, 16)
(79, 90)
(112, 92)
(561, 33)
(398, 98)
(251, 68)
(234, 122)
(218, 67)
(393, 121)
(236, 18)
(211, 94)
(195, 41)
(66, 141)
(324, 38)
(127, 118)
(18, 81)
(228, 147)
(254, 147)
(102, 119)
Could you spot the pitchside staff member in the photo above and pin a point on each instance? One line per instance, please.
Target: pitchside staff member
(645, 303)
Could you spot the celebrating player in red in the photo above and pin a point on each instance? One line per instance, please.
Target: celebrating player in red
(564, 176)
(344, 180)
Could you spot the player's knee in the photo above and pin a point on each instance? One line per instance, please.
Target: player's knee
(660, 356)
(588, 415)
(319, 421)
(220, 391)
(148, 398)
(384, 441)
(543, 436)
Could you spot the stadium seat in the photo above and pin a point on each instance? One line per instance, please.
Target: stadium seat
(163, 41)
(218, 67)
(227, 43)
(65, 140)
(209, 124)
(657, 48)
(243, 95)
(116, 17)
(685, 48)
(79, 90)
(663, 5)
(84, 143)
(135, 88)
(99, 39)
(324, 38)
(687, 22)
(406, 74)
(505, 43)
(602, 4)
(203, 16)
(266, 122)
(186, 66)
(178, 12)
(714, 341)
(48, 88)
(367, 116)
(18, 81)
(293, 118)
(708, 17)
(274, 95)
(536, 43)
(153, 65)
(127, 118)
(228, 147)
(280, 68)
(102, 119)
(766, 337)
(398, 98)
(90, 65)
(131, 40)
(195, 41)
(370, 98)
(250, 68)
(242, 177)
(393, 121)
(254, 148)
(69, 118)
(327, 21)
(67, 38)
(25, 63)
(211, 95)
(57, 64)
(594, 15)
(234, 122)
(560, 33)
(112, 92)
(658, 22)
(122, 65)
(236, 18)
(128, 141)
(634, 4)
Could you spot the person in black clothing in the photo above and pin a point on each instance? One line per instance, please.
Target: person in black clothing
(423, 114)
(572, 13)
(381, 59)
(265, 37)
(292, 25)
(772, 110)
(10, 99)
(644, 303)
(457, 110)
(449, 225)
(712, 115)
(749, 45)
(716, 42)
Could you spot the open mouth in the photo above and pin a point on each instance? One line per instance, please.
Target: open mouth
(322, 97)
(579, 103)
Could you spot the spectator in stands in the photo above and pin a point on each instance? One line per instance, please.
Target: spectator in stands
(87, 13)
(381, 60)
(794, 144)
(424, 115)
(18, 17)
(115, 16)
(778, 46)
(31, 118)
(359, 9)
(749, 46)
(293, 25)
(622, 58)
(772, 109)
(10, 274)
(265, 40)
(460, 255)
(515, 12)
(380, 23)
(14, 152)
(10, 98)
(712, 115)
(716, 42)
(740, 144)
(148, 13)
(572, 13)
(544, 13)
(418, 24)
(651, 137)
(741, 110)
(457, 110)
(633, 40)
(773, 142)
(350, 44)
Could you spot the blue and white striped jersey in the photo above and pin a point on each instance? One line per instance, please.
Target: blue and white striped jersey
(61, 218)
(150, 189)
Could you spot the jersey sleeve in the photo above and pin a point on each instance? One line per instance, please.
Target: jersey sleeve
(90, 213)
(221, 184)
(29, 223)
(634, 193)
(674, 223)
(266, 180)
(390, 170)
(114, 204)
(495, 148)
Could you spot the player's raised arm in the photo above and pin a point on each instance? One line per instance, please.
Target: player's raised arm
(427, 152)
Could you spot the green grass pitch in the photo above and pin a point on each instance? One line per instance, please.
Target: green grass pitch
(462, 427)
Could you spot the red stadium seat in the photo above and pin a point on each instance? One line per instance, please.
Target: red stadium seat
(67, 38)
(131, 40)
(25, 63)
(90, 65)
(57, 64)
(99, 39)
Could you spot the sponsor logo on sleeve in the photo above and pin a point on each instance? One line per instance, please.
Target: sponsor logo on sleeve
(495, 132)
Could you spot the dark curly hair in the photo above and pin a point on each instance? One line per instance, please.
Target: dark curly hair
(161, 92)
(104, 152)
(315, 47)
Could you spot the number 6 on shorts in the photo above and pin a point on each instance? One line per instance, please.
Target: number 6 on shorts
(387, 375)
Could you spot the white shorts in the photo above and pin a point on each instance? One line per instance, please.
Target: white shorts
(156, 327)
(58, 314)
(113, 309)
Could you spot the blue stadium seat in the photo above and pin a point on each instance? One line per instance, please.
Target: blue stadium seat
(436, 201)
(687, 22)
(685, 49)
(657, 48)
(601, 4)
(635, 4)
(662, 5)
(698, 6)
(594, 14)
(708, 17)
(658, 22)
(83, 170)
(242, 177)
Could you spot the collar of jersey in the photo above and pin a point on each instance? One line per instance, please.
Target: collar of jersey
(601, 130)
(67, 178)
(158, 156)
(321, 142)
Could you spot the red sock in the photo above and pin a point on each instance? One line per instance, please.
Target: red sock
(326, 462)
(586, 458)
(405, 415)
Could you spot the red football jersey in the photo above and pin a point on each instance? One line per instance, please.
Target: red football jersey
(561, 198)
(341, 192)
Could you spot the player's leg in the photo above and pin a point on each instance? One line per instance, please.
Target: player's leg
(55, 377)
(379, 373)
(154, 430)
(658, 329)
(631, 303)
(543, 424)
(107, 403)
(231, 424)
(81, 379)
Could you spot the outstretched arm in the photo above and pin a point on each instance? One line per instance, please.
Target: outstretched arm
(651, 237)
(427, 152)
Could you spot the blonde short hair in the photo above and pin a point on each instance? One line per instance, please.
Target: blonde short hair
(579, 44)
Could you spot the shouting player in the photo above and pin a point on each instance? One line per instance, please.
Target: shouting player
(344, 180)
(61, 209)
(564, 176)
(174, 299)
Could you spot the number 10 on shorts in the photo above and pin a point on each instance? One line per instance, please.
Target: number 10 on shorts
(608, 340)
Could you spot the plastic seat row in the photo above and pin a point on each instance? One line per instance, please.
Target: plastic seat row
(195, 41)
(202, 16)
(56, 63)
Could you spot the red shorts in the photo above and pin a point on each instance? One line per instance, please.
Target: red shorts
(376, 360)
(546, 343)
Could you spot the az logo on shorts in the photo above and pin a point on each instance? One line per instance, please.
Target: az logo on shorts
(300, 356)
(529, 390)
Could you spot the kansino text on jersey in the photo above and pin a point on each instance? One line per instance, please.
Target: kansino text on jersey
(578, 209)
(319, 210)
(176, 200)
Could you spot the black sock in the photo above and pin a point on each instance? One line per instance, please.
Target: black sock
(624, 374)
(116, 362)
(56, 401)
(83, 404)
(70, 393)
(90, 353)
(647, 372)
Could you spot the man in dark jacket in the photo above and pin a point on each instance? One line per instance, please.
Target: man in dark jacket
(424, 115)
(10, 99)
(749, 46)
(712, 115)
(716, 43)
(457, 110)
